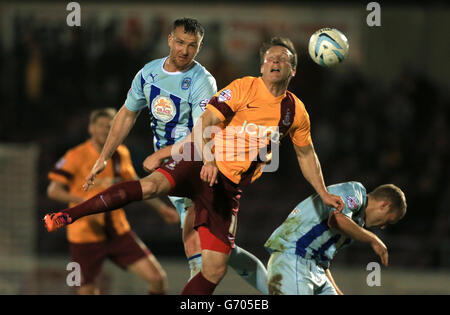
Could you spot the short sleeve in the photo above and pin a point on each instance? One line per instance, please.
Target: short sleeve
(135, 97)
(203, 90)
(353, 202)
(65, 169)
(228, 100)
(300, 131)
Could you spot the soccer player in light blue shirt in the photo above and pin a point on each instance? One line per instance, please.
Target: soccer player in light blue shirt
(303, 246)
(174, 101)
(175, 91)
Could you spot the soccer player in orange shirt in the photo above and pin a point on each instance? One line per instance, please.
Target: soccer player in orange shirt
(246, 112)
(94, 238)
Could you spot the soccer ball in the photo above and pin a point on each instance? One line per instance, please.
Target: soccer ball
(328, 47)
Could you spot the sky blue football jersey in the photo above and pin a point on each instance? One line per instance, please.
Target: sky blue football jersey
(174, 100)
(305, 232)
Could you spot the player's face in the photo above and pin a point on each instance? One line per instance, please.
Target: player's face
(99, 130)
(277, 66)
(382, 216)
(184, 47)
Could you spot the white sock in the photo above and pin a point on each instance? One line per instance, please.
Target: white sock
(250, 268)
(195, 264)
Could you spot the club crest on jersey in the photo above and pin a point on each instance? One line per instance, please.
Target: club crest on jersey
(163, 108)
(203, 104)
(186, 83)
(352, 202)
(225, 95)
(60, 163)
(171, 166)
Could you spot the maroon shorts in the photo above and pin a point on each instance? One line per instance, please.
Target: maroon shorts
(216, 207)
(123, 250)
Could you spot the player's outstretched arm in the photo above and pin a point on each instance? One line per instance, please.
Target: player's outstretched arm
(312, 171)
(345, 225)
(121, 126)
(58, 191)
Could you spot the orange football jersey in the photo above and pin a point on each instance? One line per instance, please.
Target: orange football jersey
(72, 170)
(252, 119)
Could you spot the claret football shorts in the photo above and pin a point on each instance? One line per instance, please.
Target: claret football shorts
(216, 207)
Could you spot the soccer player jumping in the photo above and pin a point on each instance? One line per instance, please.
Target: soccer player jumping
(175, 89)
(215, 185)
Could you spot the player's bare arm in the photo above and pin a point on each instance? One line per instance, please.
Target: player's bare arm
(121, 126)
(330, 277)
(156, 159)
(345, 225)
(198, 136)
(59, 192)
(312, 171)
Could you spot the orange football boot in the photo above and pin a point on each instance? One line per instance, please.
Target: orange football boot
(54, 221)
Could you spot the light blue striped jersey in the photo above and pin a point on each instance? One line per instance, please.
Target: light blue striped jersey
(175, 100)
(305, 232)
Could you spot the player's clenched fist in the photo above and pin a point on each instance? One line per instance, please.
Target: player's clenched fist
(333, 201)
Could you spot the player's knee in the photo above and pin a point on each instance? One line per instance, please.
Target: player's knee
(191, 243)
(214, 273)
(149, 189)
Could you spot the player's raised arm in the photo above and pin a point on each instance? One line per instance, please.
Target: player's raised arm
(121, 126)
(310, 166)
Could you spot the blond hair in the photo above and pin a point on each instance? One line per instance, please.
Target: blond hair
(102, 112)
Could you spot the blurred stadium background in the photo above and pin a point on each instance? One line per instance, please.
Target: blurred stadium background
(382, 116)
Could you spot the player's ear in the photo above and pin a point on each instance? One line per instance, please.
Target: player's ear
(386, 205)
(294, 72)
(169, 39)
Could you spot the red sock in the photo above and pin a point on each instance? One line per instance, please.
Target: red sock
(113, 198)
(199, 285)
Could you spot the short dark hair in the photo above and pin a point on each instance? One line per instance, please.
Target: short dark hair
(391, 193)
(102, 112)
(190, 26)
(279, 41)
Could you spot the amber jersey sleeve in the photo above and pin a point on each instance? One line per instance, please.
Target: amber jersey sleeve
(251, 118)
(72, 169)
